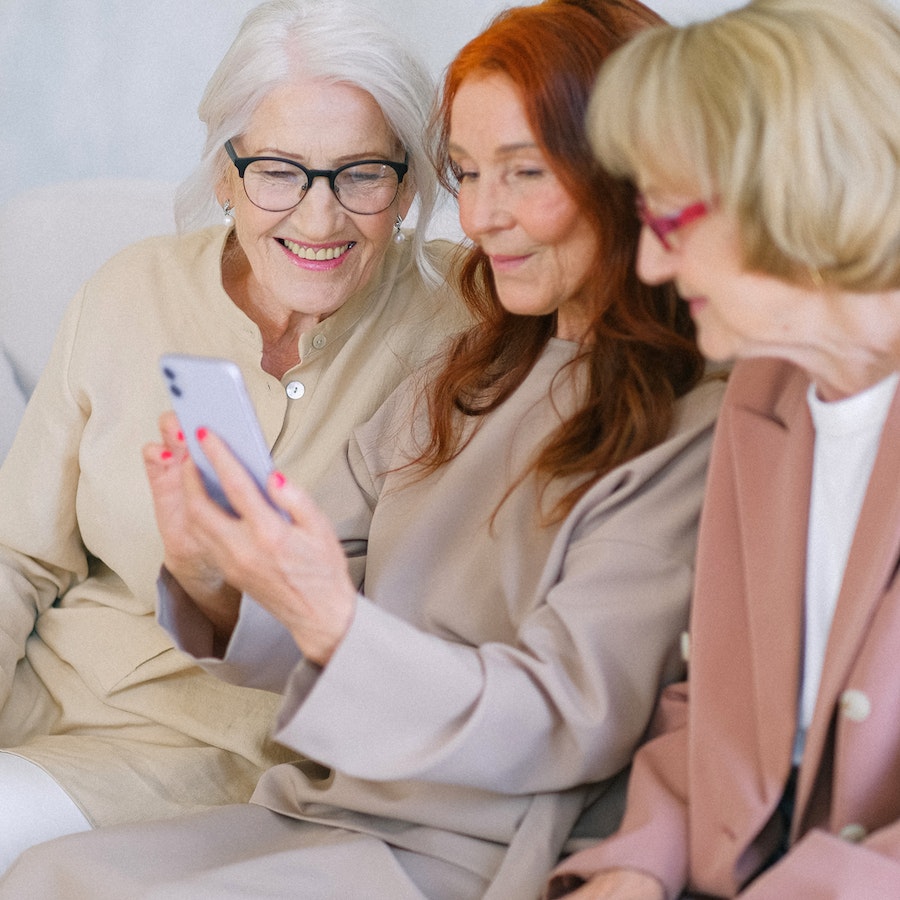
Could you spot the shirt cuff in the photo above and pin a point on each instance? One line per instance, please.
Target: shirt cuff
(260, 654)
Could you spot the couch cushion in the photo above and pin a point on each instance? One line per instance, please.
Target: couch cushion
(51, 239)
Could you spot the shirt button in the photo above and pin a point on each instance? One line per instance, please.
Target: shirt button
(295, 390)
(855, 705)
(319, 341)
(853, 833)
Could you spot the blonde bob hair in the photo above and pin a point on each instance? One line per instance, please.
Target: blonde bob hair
(784, 113)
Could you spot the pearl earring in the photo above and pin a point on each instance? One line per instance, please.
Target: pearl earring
(399, 236)
(228, 219)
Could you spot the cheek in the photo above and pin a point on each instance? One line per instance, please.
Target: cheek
(464, 210)
(378, 229)
(579, 246)
(552, 218)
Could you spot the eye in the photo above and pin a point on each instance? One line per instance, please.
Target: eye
(368, 174)
(528, 173)
(460, 174)
(273, 171)
(281, 174)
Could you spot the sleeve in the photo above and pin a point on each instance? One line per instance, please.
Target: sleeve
(261, 652)
(824, 865)
(41, 550)
(653, 835)
(579, 683)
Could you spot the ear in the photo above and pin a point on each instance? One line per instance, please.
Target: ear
(407, 195)
(226, 189)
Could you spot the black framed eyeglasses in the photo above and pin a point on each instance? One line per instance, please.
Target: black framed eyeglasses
(366, 186)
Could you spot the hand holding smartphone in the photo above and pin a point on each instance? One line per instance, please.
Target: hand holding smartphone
(209, 393)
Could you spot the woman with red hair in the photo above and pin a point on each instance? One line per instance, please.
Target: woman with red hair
(519, 525)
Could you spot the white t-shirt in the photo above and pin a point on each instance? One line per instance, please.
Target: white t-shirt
(847, 436)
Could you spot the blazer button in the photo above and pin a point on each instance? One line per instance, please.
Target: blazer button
(853, 833)
(685, 641)
(295, 390)
(855, 705)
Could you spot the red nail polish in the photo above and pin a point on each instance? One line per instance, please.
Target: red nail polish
(166, 454)
(280, 480)
(202, 434)
(180, 436)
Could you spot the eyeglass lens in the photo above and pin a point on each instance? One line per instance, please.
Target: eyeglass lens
(664, 226)
(366, 188)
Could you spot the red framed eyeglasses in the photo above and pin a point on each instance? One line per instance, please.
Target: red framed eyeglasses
(663, 226)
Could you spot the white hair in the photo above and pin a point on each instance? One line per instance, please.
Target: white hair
(338, 41)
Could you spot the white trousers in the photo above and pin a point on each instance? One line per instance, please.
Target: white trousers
(33, 808)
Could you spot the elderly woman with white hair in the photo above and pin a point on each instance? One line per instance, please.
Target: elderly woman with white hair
(774, 208)
(316, 121)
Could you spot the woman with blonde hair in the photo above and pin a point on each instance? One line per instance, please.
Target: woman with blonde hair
(775, 209)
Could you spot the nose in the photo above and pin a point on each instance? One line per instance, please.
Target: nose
(318, 210)
(655, 264)
(483, 208)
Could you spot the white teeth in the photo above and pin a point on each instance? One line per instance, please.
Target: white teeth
(321, 253)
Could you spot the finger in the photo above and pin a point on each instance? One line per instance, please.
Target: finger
(196, 497)
(296, 502)
(174, 477)
(242, 491)
(171, 432)
(159, 460)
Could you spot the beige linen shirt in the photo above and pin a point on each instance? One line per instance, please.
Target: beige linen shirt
(91, 687)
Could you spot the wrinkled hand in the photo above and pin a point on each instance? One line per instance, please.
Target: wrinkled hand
(296, 568)
(619, 884)
(179, 503)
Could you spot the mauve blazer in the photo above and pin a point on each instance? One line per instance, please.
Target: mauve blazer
(701, 811)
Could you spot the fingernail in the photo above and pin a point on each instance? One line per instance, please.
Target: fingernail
(166, 454)
(280, 480)
(202, 434)
(181, 436)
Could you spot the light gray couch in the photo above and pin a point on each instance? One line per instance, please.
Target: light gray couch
(51, 239)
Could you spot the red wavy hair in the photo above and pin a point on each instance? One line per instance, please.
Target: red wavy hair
(641, 353)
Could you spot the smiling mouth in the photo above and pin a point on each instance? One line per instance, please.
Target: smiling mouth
(322, 253)
(507, 262)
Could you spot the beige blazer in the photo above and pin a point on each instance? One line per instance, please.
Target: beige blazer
(702, 797)
(498, 664)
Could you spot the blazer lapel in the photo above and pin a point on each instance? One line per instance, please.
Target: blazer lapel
(773, 473)
(871, 567)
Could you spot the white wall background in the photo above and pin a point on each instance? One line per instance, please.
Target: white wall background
(93, 88)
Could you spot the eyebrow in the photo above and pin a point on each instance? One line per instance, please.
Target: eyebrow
(502, 150)
(347, 157)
